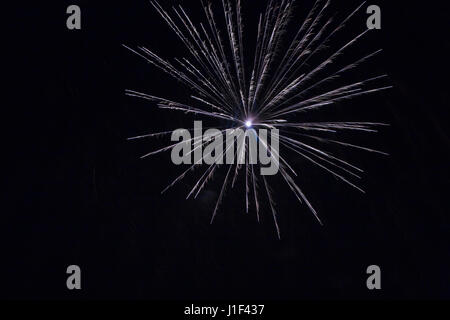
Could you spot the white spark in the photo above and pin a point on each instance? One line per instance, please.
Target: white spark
(281, 82)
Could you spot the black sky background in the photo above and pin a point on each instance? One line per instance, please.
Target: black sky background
(81, 195)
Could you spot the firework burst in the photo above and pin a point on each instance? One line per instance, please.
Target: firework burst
(279, 85)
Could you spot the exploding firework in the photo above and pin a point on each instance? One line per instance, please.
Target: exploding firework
(279, 85)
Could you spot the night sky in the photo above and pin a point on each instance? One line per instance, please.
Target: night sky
(81, 195)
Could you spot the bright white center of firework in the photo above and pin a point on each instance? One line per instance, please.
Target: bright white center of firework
(248, 124)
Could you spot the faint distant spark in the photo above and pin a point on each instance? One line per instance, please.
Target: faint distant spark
(281, 86)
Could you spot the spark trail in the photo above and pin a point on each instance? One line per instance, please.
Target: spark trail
(274, 91)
